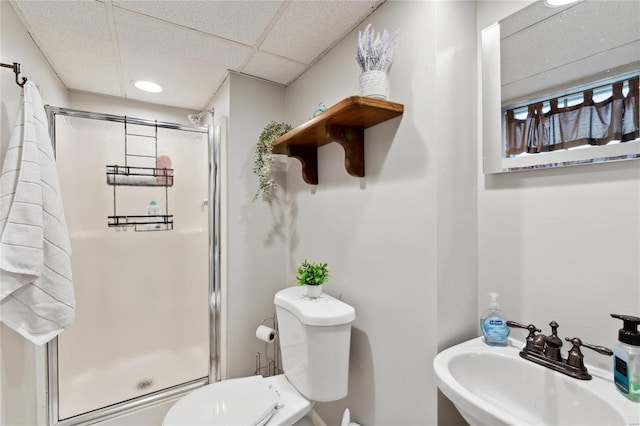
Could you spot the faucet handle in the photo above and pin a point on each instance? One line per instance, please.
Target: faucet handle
(575, 356)
(532, 328)
(600, 349)
(532, 332)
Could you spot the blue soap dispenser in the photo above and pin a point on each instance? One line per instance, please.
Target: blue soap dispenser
(493, 325)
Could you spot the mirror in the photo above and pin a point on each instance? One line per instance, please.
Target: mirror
(542, 52)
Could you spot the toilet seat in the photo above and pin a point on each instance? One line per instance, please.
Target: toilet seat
(246, 401)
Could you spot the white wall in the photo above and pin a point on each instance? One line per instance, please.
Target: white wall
(118, 106)
(20, 360)
(560, 244)
(400, 242)
(256, 243)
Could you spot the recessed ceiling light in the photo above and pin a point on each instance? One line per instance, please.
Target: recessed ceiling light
(556, 3)
(148, 86)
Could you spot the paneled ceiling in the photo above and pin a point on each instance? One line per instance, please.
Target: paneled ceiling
(188, 47)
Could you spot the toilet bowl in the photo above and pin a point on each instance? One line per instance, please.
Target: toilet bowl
(314, 342)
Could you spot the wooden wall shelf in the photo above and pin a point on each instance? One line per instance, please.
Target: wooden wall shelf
(343, 123)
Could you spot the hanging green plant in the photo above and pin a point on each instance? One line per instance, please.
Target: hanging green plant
(263, 158)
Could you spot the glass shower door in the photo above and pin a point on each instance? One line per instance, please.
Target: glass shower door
(142, 298)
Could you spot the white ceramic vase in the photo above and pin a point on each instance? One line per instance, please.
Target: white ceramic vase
(313, 291)
(374, 84)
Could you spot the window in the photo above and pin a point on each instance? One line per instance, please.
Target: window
(599, 115)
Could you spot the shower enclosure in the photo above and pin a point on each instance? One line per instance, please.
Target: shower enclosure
(142, 206)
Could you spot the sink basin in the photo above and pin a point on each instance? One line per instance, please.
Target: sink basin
(493, 386)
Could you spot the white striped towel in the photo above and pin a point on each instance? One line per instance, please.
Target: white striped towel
(36, 288)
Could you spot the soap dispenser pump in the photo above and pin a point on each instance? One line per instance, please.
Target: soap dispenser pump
(493, 325)
(626, 358)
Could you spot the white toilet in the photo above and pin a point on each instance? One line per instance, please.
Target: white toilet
(314, 340)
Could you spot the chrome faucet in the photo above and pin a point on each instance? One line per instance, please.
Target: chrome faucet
(546, 351)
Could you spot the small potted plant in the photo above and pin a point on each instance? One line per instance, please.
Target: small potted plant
(263, 159)
(375, 53)
(312, 276)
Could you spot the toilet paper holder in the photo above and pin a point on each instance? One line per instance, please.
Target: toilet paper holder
(272, 366)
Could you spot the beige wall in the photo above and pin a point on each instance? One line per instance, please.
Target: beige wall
(400, 242)
(560, 244)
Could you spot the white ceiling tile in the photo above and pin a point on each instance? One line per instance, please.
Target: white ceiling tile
(308, 28)
(273, 68)
(241, 21)
(75, 39)
(188, 65)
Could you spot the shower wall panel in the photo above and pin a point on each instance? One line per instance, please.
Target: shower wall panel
(142, 321)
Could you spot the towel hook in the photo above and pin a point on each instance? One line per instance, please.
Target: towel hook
(16, 71)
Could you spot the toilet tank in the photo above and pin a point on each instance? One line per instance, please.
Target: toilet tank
(315, 336)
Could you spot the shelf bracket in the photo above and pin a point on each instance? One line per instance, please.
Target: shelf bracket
(352, 140)
(308, 156)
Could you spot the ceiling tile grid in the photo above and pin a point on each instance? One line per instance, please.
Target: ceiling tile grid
(308, 28)
(187, 64)
(273, 68)
(241, 21)
(188, 47)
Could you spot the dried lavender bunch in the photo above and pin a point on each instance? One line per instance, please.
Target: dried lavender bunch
(375, 53)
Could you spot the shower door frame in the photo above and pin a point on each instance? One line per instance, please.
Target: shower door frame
(213, 137)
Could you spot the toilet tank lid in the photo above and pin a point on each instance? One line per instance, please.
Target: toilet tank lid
(321, 311)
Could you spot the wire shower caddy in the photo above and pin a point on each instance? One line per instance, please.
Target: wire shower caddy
(129, 175)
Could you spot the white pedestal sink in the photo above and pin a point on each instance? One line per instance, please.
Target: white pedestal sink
(493, 386)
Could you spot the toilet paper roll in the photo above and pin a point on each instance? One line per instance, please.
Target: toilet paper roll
(266, 334)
